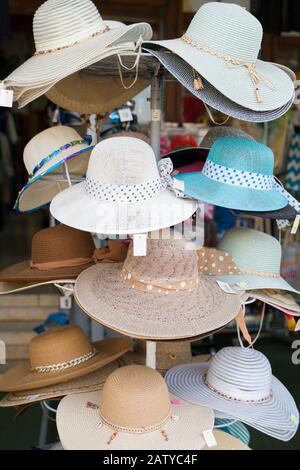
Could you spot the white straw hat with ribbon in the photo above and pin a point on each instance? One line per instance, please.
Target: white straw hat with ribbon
(70, 35)
(134, 411)
(222, 45)
(238, 383)
(124, 192)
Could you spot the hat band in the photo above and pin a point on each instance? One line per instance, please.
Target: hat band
(255, 77)
(67, 263)
(146, 429)
(235, 399)
(65, 365)
(55, 49)
(73, 143)
(160, 287)
(260, 273)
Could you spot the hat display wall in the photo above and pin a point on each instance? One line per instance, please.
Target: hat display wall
(45, 157)
(123, 193)
(60, 355)
(158, 297)
(222, 45)
(70, 35)
(238, 382)
(58, 254)
(133, 412)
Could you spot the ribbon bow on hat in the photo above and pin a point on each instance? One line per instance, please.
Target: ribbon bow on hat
(166, 169)
(115, 253)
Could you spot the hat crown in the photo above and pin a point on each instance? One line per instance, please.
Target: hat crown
(60, 243)
(61, 23)
(46, 142)
(135, 398)
(241, 374)
(58, 346)
(224, 131)
(227, 28)
(123, 161)
(242, 154)
(252, 250)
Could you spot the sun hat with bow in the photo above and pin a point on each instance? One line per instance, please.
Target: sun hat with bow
(70, 35)
(53, 158)
(133, 411)
(222, 45)
(123, 193)
(159, 296)
(238, 383)
(60, 355)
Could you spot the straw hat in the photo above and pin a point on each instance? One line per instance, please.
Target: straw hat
(159, 296)
(133, 412)
(70, 35)
(58, 253)
(85, 93)
(281, 300)
(222, 45)
(210, 96)
(60, 355)
(227, 442)
(123, 192)
(235, 428)
(44, 158)
(238, 382)
(238, 174)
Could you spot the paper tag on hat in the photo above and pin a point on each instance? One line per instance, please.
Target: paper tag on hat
(125, 115)
(140, 244)
(226, 288)
(6, 97)
(297, 328)
(209, 438)
(32, 397)
(156, 115)
(65, 302)
(296, 225)
(178, 184)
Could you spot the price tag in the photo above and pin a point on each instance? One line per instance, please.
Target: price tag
(156, 115)
(209, 438)
(125, 115)
(6, 97)
(151, 354)
(226, 288)
(140, 245)
(296, 225)
(65, 302)
(178, 184)
(298, 326)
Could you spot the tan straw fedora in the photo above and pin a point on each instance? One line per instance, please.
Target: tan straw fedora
(133, 411)
(60, 355)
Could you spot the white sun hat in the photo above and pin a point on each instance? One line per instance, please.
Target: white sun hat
(70, 35)
(123, 192)
(134, 411)
(238, 383)
(222, 45)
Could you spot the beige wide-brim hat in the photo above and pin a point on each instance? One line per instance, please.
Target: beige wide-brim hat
(227, 442)
(22, 377)
(281, 300)
(86, 93)
(78, 427)
(101, 292)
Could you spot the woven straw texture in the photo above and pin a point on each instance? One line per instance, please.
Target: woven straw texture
(284, 301)
(133, 397)
(242, 374)
(223, 131)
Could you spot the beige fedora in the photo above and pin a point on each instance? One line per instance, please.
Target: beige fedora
(60, 355)
(134, 411)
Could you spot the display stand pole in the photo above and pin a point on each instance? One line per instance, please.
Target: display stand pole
(43, 429)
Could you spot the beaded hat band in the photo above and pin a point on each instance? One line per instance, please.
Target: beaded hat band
(66, 364)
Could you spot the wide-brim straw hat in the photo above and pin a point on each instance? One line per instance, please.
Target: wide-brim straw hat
(46, 157)
(227, 442)
(157, 297)
(60, 355)
(69, 36)
(222, 45)
(134, 411)
(183, 72)
(281, 300)
(124, 192)
(239, 383)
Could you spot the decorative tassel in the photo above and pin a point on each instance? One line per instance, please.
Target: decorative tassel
(165, 435)
(198, 84)
(112, 437)
(258, 96)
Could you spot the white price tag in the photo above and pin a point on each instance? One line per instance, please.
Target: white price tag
(298, 326)
(125, 115)
(6, 97)
(156, 115)
(209, 438)
(226, 288)
(65, 302)
(178, 184)
(296, 225)
(151, 354)
(140, 245)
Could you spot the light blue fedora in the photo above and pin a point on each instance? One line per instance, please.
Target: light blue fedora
(238, 174)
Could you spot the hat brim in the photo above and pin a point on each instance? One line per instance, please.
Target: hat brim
(287, 213)
(76, 209)
(248, 282)
(202, 188)
(101, 292)
(279, 90)
(183, 72)
(291, 308)
(78, 427)
(42, 69)
(272, 417)
(227, 442)
(50, 180)
(21, 377)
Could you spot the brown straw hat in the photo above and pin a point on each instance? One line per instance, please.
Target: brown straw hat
(60, 355)
(134, 411)
(157, 297)
(86, 93)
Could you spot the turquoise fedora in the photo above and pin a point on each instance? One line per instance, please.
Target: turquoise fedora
(238, 174)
